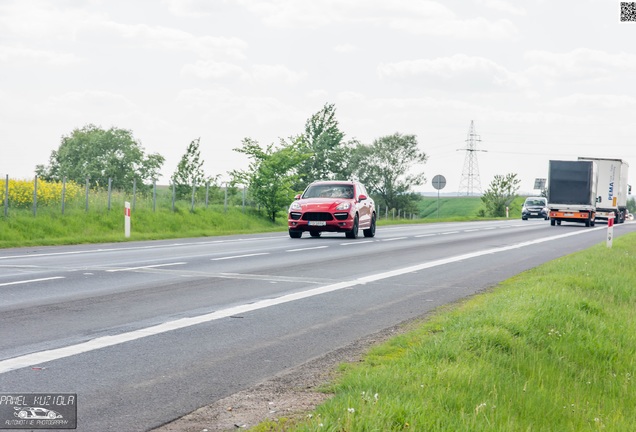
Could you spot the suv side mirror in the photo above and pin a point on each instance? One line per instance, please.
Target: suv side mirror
(362, 197)
(297, 197)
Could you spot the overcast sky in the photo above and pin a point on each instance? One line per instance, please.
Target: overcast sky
(541, 79)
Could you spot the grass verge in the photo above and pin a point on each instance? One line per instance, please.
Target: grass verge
(99, 225)
(552, 349)
(76, 226)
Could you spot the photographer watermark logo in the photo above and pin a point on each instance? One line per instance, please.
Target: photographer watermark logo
(38, 411)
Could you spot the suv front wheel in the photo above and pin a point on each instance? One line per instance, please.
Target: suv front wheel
(353, 233)
(370, 232)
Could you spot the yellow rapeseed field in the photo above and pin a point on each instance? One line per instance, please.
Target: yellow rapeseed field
(21, 192)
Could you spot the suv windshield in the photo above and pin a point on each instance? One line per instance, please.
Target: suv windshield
(329, 191)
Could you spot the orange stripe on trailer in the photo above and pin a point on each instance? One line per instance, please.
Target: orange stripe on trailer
(569, 215)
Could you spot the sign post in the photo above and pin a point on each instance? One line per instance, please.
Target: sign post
(127, 219)
(439, 181)
(610, 230)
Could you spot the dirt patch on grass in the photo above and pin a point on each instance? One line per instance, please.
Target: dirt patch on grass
(289, 395)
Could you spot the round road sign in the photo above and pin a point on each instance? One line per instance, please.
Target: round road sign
(439, 182)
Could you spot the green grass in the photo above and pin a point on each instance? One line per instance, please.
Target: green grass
(552, 349)
(461, 208)
(76, 226)
(99, 224)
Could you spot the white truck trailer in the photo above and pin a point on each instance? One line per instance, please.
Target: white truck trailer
(612, 188)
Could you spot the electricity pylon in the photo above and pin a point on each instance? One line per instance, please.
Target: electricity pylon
(470, 182)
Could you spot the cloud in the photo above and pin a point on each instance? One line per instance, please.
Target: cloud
(43, 22)
(345, 48)
(11, 54)
(454, 70)
(209, 69)
(318, 94)
(194, 8)
(350, 96)
(594, 101)
(503, 6)
(221, 100)
(474, 28)
(276, 72)
(421, 17)
(178, 40)
(93, 101)
(579, 64)
(37, 20)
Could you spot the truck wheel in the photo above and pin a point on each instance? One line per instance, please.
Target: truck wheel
(558, 222)
(552, 222)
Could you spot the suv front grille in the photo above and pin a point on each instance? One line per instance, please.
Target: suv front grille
(317, 216)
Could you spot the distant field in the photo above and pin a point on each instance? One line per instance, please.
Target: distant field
(461, 207)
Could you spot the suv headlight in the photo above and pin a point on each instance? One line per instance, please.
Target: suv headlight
(295, 206)
(344, 206)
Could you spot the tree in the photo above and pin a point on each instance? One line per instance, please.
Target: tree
(323, 139)
(272, 173)
(98, 154)
(189, 172)
(388, 168)
(500, 193)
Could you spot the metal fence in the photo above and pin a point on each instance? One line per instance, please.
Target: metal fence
(29, 194)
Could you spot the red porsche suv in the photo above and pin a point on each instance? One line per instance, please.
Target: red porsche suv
(333, 206)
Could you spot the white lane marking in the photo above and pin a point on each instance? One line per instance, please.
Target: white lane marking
(394, 238)
(306, 249)
(145, 267)
(239, 256)
(449, 232)
(32, 280)
(107, 341)
(356, 243)
(425, 235)
(472, 230)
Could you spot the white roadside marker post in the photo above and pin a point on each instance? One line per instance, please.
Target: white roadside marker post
(610, 230)
(127, 219)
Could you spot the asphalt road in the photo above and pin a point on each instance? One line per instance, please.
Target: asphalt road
(146, 332)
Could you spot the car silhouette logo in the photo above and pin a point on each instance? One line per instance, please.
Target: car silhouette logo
(36, 413)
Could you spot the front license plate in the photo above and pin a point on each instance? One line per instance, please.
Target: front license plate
(316, 223)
